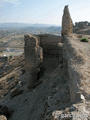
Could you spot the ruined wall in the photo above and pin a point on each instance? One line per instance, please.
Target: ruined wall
(69, 55)
(70, 60)
(67, 24)
(82, 28)
(81, 25)
(49, 44)
(74, 55)
(76, 64)
(52, 51)
(41, 51)
(33, 58)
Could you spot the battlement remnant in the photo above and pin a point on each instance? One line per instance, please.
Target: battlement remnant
(67, 24)
(33, 58)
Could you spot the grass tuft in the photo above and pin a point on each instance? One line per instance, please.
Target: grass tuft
(84, 40)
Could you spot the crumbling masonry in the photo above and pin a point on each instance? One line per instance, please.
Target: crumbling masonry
(33, 58)
(67, 24)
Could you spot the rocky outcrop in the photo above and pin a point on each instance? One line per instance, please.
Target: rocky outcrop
(33, 58)
(10, 74)
(67, 25)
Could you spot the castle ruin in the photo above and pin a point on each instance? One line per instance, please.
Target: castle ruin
(67, 24)
(48, 52)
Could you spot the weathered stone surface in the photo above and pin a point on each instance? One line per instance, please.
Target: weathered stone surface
(81, 25)
(76, 62)
(67, 24)
(33, 58)
(49, 43)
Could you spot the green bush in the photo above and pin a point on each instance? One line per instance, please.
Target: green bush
(84, 40)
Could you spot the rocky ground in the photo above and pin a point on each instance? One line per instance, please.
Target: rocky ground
(10, 71)
(12, 45)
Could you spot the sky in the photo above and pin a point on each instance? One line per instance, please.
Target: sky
(42, 11)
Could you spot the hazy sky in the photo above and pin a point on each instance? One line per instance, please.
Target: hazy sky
(43, 11)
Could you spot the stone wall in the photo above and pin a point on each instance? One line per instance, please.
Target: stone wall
(69, 62)
(33, 58)
(81, 25)
(82, 28)
(39, 51)
(49, 43)
(76, 65)
(74, 55)
(67, 24)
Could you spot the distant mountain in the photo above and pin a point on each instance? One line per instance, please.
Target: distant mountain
(22, 25)
(30, 28)
(54, 28)
(13, 25)
(42, 30)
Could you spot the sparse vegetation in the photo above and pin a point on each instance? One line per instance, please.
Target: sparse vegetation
(84, 40)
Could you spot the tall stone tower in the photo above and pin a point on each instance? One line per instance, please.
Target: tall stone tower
(67, 24)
